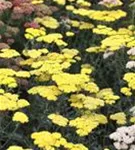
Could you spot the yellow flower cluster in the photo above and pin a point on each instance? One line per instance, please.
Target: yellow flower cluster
(95, 49)
(119, 117)
(33, 53)
(91, 87)
(20, 117)
(14, 147)
(87, 102)
(130, 79)
(48, 64)
(58, 119)
(104, 30)
(119, 41)
(8, 53)
(132, 119)
(9, 101)
(86, 69)
(69, 34)
(126, 91)
(32, 33)
(86, 123)
(124, 37)
(105, 15)
(51, 141)
(23, 74)
(48, 22)
(108, 96)
(81, 25)
(49, 92)
(70, 82)
(52, 38)
(8, 77)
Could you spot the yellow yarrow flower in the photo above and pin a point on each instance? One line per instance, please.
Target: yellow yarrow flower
(120, 118)
(107, 16)
(130, 79)
(70, 82)
(132, 119)
(50, 92)
(86, 102)
(12, 102)
(126, 91)
(91, 87)
(69, 33)
(32, 33)
(51, 141)
(23, 74)
(108, 96)
(8, 53)
(85, 25)
(104, 30)
(48, 22)
(58, 119)
(35, 53)
(20, 117)
(23, 103)
(86, 123)
(47, 140)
